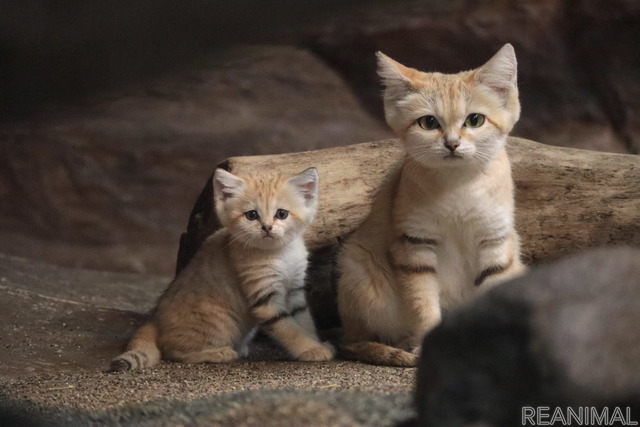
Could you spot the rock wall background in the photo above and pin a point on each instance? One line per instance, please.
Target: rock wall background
(115, 114)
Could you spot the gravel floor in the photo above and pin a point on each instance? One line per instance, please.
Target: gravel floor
(244, 393)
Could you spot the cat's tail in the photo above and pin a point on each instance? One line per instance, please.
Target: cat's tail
(142, 351)
(377, 353)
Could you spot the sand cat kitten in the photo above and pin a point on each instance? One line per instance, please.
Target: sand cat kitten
(248, 274)
(442, 229)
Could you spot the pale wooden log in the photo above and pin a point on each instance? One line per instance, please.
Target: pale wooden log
(567, 199)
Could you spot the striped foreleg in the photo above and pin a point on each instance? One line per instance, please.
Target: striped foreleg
(268, 303)
(414, 262)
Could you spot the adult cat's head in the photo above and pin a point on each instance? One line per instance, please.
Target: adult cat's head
(452, 119)
(265, 209)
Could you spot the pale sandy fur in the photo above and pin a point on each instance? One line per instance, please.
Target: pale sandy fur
(248, 275)
(441, 230)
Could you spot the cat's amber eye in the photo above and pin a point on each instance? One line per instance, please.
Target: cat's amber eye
(474, 120)
(281, 214)
(252, 215)
(428, 122)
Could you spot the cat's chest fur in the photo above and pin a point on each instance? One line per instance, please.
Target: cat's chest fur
(462, 216)
(286, 265)
(457, 217)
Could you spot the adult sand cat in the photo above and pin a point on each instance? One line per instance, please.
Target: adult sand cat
(442, 229)
(248, 274)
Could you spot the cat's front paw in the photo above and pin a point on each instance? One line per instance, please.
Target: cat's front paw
(321, 353)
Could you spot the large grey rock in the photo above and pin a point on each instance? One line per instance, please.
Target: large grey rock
(565, 334)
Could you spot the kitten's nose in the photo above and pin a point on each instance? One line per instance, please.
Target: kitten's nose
(452, 144)
(267, 228)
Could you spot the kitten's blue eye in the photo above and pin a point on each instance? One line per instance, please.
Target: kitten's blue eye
(281, 214)
(252, 215)
(474, 120)
(428, 122)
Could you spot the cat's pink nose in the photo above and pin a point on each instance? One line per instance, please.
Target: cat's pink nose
(267, 228)
(452, 144)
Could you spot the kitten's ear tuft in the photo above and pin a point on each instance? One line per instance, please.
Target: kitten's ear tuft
(500, 73)
(226, 184)
(306, 184)
(394, 75)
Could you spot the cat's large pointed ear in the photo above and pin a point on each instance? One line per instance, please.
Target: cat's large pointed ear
(396, 77)
(500, 73)
(226, 185)
(306, 184)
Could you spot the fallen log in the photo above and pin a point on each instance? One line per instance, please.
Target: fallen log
(566, 199)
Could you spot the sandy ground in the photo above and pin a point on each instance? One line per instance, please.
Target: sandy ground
(342, 393)
(60, 327)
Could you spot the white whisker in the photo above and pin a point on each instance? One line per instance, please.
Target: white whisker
(242, 236)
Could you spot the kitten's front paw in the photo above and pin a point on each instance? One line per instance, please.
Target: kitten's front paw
(318, 354)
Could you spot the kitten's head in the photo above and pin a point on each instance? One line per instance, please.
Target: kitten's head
(452, 119)
(265, 209)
